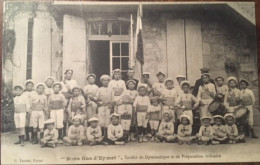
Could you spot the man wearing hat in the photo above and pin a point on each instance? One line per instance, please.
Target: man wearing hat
(248, 100)
(159, 86)
(199, 82)
(21, 108)
(130, 74)
(146, 82)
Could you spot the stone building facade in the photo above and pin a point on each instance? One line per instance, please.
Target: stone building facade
(177, 39)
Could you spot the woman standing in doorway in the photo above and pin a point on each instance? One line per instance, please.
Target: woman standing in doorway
(67, 84)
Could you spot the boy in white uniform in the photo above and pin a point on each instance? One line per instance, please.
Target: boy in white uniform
(94, 133)
(50, 138)
(221, 87)
(105, 97)
(21, 108)
(28, 93)
(206, 93)
(49, 83)
(141, 104)
(154, 113)
(39, 107)
(248, 100)
(56, 104)
(90, 91)
(180, 79)
(117, 85)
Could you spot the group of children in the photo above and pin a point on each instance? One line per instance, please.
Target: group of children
(119, 110)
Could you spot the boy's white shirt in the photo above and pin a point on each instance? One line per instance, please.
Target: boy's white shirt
(170, 126)
(22, 99)
(40, 98)
(90, 88)
(117, 129)
(97, 130)
(237, 93)
(223, 89)
(141, 100)
(69, 83)
(117, 84)
(250, 93)
(159, 86)
(211, 88)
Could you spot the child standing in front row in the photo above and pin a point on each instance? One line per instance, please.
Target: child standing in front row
(131, 84)
(141, 105)
(105, 103)
(185, 101)
(169, 97)
(114, 131)
(206, 131)
(77, 105)
(90, 91)
(154, 113)
(28, 93)
(39, 107)
(94, 133)
(50, 137)
(125, 110)
(184, 130)
(21, 108)
(166, 129)
(248, 100)
(57, 103)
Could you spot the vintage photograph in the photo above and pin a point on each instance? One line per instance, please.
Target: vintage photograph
(129, 82)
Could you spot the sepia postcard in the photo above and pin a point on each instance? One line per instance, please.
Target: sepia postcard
(129, 82)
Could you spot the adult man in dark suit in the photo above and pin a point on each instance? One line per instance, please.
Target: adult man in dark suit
(199, 82)
(130, 75)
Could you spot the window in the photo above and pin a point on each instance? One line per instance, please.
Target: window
(107, 27)
(29, 49)
(120, 57)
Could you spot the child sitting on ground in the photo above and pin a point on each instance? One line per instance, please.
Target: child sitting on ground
(166, 129)
(220, 132)
(154, 113)
(141, 105)
(50, 137)
(114, 131)
(184, 130)
(94, 133)
(232, 132)
(75, 132)
(206, 131)
(39, 107)
(21, 108)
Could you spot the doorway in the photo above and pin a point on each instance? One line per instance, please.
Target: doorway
(100, 59)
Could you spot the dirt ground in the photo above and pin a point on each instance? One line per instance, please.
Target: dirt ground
(132, 152)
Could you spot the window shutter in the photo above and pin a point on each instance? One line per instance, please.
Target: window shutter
(74, 47)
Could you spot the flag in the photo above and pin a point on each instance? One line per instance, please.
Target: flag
(138, 35)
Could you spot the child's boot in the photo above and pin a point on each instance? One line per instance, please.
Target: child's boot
(31, 130)
(133, 137)
(19, 141)
(22, 140)
(140, 139)
(35, 138)
(27, 134)
(253, 135)
(60, 136)
(41, 135)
